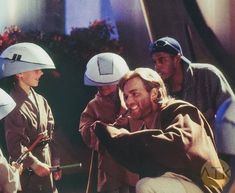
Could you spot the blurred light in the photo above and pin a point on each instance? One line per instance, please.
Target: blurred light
(8, 13)
(81, 13)
(12, 7)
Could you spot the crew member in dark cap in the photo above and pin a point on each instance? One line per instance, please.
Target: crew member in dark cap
(201, 84)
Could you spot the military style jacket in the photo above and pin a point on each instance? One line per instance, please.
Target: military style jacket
(181, 142)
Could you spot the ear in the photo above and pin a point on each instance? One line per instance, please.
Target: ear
(154, 94)
(177, 58)
(19, 75)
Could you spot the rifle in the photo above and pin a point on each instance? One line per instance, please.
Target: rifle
(58, 168)
(41, 137)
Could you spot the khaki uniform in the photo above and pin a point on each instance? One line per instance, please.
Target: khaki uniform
(22, 126)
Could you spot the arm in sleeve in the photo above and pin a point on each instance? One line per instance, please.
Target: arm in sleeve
(9, 177)
(86, 128)
(16, 138)
(220, 86)
(144, 150)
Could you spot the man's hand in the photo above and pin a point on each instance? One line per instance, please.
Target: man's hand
(58, 174)
(121, 121)
(17, 166)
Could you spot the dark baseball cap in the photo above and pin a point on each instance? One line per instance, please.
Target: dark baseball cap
(168, 45)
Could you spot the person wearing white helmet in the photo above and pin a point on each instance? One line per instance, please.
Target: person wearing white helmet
(23, 62)
(225, 135)
(9, 174)
(104, 71)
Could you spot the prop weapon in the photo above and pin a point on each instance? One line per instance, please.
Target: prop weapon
(58, 168)
(41, 136)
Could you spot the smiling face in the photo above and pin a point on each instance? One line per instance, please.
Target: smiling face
(139, 101)
(29, 79)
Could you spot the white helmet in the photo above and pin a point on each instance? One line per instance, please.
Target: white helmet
(23, 57)
(225, 127)
(105, 69)
(7, 104)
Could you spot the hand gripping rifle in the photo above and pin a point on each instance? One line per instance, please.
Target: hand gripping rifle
(41, 137)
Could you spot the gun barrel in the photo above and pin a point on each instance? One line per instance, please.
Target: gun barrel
(57, 168)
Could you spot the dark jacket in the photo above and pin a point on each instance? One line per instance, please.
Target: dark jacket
(181, 142)
(205, 87)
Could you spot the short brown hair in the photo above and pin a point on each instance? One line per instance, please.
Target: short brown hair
(150, 78)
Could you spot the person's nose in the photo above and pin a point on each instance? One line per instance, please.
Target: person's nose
(158, 66)
(40, 72)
